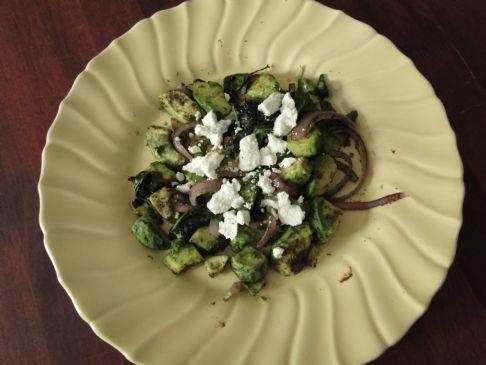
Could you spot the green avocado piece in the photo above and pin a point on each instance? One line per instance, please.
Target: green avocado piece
(323, 170)
(324, 219)
(261, 87)
(206, 241)
(215, 264)
(249, 265)
(297, 173)
(306, 147)
(210, 96)
(159, 143)
(150, 234)
(294, 244)
(179, 106)
(180, 259)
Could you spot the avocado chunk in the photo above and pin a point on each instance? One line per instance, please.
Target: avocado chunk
(323, 170)
(324, 219)
(261, 87)
(179, 260)
(215, 264)
(162, 202)
(210, 96)
(179, 106)
(306, 147)
(249, 265)
(297, 173)
(158, 141)
(150, 234)
(254, 288)
(167, 174)
(306, 86)
(206, 241)
(294, 245)
(246, 236)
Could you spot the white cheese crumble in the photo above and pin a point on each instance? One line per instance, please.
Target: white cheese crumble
(227, 97)
(249, 176)
(190, 135)
(265, 183)
(269, 203)
(267, 157)
(243, 217)
(275, 144)
(290, 214)
(229, 226)
(197, 115)
(286, 162)
(226, 197)
(184, 188)
(287, 118)
(180, 176)
(194, 149)
(212, 129)
(277, 252)
(271, 104)
(300, 200)
(205, 165)
(249, 153)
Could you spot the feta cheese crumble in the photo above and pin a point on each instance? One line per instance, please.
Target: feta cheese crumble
(286, 162)
(194, 149)
(249, 153)
(265, 183)
(229, 226)
(212, 129)
(275, 144)
(184, 188)
(271, 104)
(277, 252)
(226, 197)
(243, 217)
(205, 165)
(287, 118)
(267, 157)
(290, 214)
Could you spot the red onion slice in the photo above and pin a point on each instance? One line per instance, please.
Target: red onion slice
(203, 187)
(387, 199)
(307, 123)
(271, 227)
(281, 185)
(176, 138)
(235, 288)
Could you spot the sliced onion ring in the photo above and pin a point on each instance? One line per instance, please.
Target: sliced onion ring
(307, 123)
(176, 141)
(235, 288)
(281, 185)
(271, 227)
(203, 187)
(387, 199)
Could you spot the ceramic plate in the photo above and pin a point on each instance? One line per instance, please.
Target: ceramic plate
(399, 254)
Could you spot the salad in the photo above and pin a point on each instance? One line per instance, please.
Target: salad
(248, 175)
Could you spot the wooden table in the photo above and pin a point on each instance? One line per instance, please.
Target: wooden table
(45, 44)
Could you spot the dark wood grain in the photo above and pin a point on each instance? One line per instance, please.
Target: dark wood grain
(46, 44)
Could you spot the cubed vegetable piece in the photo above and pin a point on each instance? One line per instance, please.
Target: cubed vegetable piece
(323, 171)
(249, 265)
(162, 202)
(216, 264)
(246, 236)
(306, 85)
(261, 87)
(167, 174)
(179, 106)
(313, 254)
(207, 242)
(150, 234)
(295, 243)
(181, 259)
(297, 173)
(254, 288)
(159, 143)
(189, 222)
(324, 219)
(210, 96)
(306, 147)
